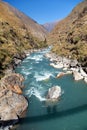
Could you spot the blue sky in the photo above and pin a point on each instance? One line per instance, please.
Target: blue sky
(45, 10)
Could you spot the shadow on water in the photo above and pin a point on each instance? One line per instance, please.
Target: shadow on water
(48, 116)
(55, 114)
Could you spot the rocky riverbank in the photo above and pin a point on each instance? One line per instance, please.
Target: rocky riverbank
(12, 102)
(69, 66)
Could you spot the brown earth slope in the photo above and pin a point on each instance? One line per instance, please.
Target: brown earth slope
(17, 34)
(69, 37)
(19, 19)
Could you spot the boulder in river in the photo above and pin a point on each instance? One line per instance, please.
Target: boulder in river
(77, 76)
(85, 79)
(60, 74)
(53, 95)
(83, 73)
(57, 65)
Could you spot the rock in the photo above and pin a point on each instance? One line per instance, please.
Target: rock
(74, 69)
(8, 71)
(53, 94)
(77, 76)
(83, 72)
(13, 82)
(47, 55)
(69, 72)
(85, 79)
(60, 74)
(17, 61)
(58, 66)
(64, 68)
(7, 113)
(73, 63)
(66, 62)
(12, 104)
(17, 90)
(18, 103)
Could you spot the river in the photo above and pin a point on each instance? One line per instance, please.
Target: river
(70, 113)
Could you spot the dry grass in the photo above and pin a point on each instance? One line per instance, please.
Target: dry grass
(69, 37)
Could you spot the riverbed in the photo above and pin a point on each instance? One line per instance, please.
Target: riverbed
(70, 113)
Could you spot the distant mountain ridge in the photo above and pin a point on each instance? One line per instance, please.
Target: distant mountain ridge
(50, 26)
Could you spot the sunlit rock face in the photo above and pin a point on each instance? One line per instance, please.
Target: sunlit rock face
(12, 102)
(53, 95)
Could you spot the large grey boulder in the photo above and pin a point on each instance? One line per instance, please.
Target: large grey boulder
(12, 102)
(53, 95)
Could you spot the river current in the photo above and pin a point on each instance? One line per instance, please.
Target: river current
(70, 113)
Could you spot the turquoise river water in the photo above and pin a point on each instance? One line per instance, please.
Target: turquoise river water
(70, 113)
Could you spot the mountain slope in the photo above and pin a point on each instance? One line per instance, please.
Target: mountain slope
(16, 18)
(50, 26)
(17, 34)
(69, 37)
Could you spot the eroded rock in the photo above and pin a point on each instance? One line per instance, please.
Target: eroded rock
(53, 95)
(12, 102)
(61, 74)
(77, 76)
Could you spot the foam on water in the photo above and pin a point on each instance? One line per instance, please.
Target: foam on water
(68, 107)
(36, 93)
(36, 57)
(25, 61)
(25, 72)
(42, 76)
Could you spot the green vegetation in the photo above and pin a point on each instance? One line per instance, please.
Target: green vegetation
(69, 38)
(13, 42)
(17, 34)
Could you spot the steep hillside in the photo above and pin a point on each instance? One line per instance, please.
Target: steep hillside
(16, 19)
(50, 26)
(69, 37)
(17, 34)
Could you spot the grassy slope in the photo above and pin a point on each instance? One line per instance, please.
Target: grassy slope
(16, 36)
(69, 38)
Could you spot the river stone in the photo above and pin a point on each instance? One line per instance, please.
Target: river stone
(83, 73)
(77, 76)
(53, 95)
(85, 79)
(18, 103)
(12, 103)
(61, 74)
(58, 65)
(73, 63)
